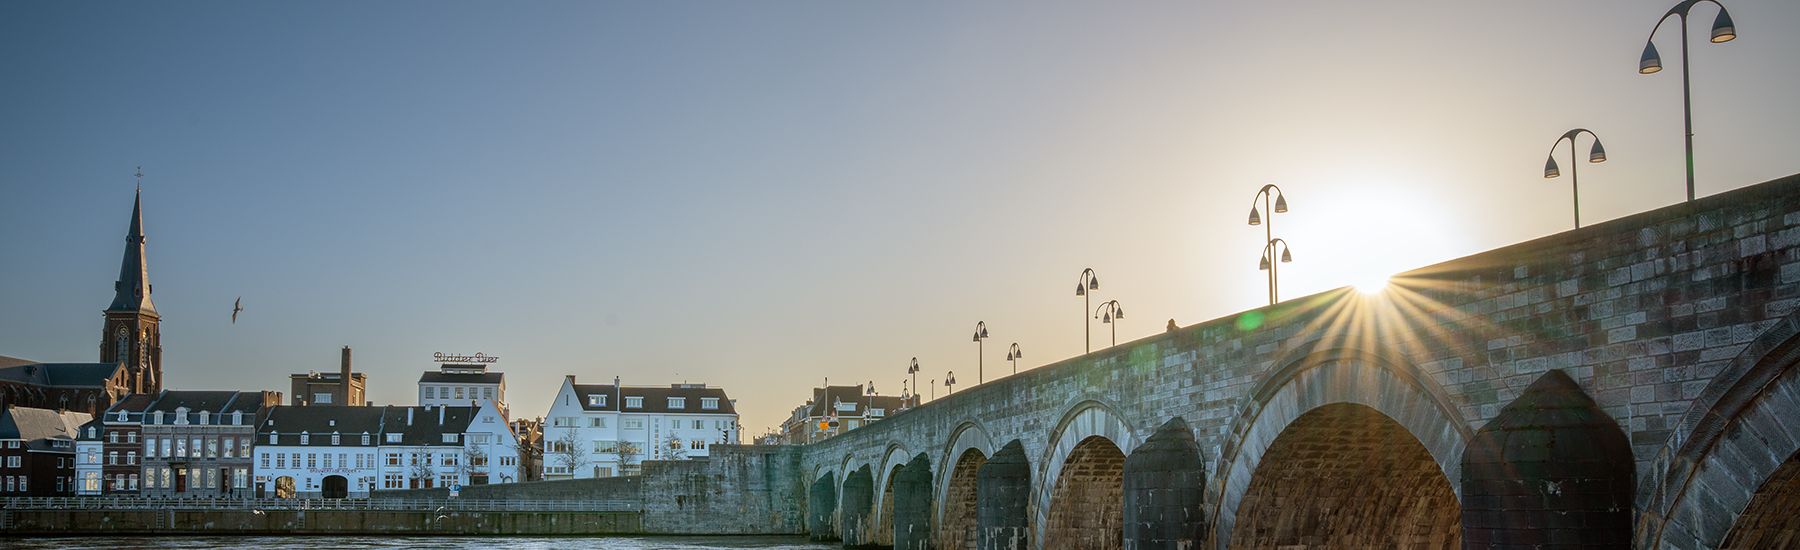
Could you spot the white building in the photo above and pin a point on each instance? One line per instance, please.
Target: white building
(463, 385)
(89, 447)
(339, 452)
(600, 430)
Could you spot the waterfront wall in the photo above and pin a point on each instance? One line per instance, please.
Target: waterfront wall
(740, 490)
(609, 489)
(299, 522)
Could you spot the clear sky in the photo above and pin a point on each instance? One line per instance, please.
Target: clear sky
(760, 195)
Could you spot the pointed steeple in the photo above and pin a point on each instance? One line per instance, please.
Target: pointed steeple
(132, 291)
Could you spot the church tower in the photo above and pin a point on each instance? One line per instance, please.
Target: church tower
(131, 336)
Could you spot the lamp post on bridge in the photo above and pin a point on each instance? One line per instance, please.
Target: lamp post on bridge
(981, 334)
(1596, 154)
(950, 382)
(1088, 283)
(1111, 311)
(1014, 355)
(1723, 30)
(1266, 194)
(913, 370)
(1269, 264)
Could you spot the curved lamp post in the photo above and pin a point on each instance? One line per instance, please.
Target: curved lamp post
(1723, 30)
(1106, 313)
(1088, 283)
(1596, 154)
(1266, 194)
(981, 334)
(950, 382)
(1268, 262)
(1013, 354)
(913, 370)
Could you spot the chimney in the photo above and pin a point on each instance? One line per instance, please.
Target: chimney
(441, 415)
(344, 366)
(409, 411)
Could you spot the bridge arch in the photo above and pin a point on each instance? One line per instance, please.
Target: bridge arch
(956, 516)
(1729, 474)
(892, 461)
(821, 507)
(1318, 392)
(1083, 466)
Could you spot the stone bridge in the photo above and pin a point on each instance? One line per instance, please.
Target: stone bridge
(1627, 384)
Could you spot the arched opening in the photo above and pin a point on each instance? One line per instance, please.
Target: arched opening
(821, 505)
(960, 502)
(335, 487)
(1346, 476)
(1165, 503)
(853, 519)
(1770, 521)
(912, 505)
(1002, 496)
(884, 526)
(1086, 507)
(1552, 467)
(284, 487)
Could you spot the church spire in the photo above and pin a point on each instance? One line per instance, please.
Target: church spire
(132, 291)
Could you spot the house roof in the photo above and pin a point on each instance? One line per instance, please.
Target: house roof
(84, 375)
(824, 400)
(38, 426)
(656, 398)
(425, 428)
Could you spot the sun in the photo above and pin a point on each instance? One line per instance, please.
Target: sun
(1372, 284)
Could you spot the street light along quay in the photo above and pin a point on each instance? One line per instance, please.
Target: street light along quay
(913, 370)
(1723, 30)
(1111, 311)
(1089, 282)
(1014, 355)
(981, 333)
(1268, 262)
(950, 382)
(1266, 194)
(1596, 154)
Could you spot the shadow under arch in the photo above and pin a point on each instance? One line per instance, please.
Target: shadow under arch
(1746, 413)
(893, 459)
(1312, 378)
(1086, 419)
(955, 516)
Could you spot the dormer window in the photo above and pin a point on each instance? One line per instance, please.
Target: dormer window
(677, 402)
(121, 416)
(709, 403)
(156, 418)
(597, 400)
(273, 436)
(450, 438)
(634, 402)
(365, 439)
(305, 438)
(393, 438)
(237, 418)
(334, 438)
(205, 417)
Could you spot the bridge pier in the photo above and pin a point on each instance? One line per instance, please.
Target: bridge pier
(1164, 491)
(1003, 489)
(821, 505)
(853, 521)
(912, 505)
(1551, 469)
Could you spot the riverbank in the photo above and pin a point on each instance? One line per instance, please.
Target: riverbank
(318, 522)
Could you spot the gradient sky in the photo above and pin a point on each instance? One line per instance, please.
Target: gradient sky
(761, 195)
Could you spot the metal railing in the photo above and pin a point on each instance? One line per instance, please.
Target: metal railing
(259, 504)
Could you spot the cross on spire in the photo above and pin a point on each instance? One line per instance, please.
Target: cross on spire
(140, 177)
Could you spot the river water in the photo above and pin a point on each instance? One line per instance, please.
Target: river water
(471, 543)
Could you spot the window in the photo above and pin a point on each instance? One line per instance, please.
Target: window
(134, 483)
(197, 447)
(328, 461)
(699, 424)
(212, 478)
(709, 403)
(459, 393)
(597, 422)
(321, 399)
(112, 437)
(365, 438)
(265, 461)
(634, 402)
(487, 393)
(634, 423)
(563, 422)
(393, 459)
(393, 438)
(597, 400)
(93, 456)
(165, 480)
(131, 457)
(205, 417)
(239, 478)
(237, 418)
(112, 458)
(272, 437)
(131, 437)
(677, 402)
(230, 447)
(312, 460)
(280, 460)
(697, 444)
(212, 448)
(481, 439)
(430, 392)
(149, 447)
(90, 482)
(450, 438)
(334, 438)
(393, 481)
(305, 438)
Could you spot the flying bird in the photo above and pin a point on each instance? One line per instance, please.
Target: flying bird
(236, 306)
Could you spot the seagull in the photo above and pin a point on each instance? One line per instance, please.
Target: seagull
(257, 512)
(236, 306)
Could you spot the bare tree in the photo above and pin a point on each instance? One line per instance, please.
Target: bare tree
(676, 449)
(422, 472)
(531, 458)
(475, 464)
(628, 455)
(568, 452)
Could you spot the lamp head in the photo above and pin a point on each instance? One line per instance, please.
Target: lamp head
(1263, 264)
(1723, 30)
(1286, 255)
(1550, 170)
(1080, 289)
(984, 333)
(1280, 203)
(1598, 153)
(1118, 312)
(1255, 217)
(1650, 62)
(1093, 283)
(1107, 318)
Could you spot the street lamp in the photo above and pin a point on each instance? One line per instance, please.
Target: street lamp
(981, 333)
(1723, 30)
(1088, 283)
(1014, 355)
(1268, 262)
(1111, 311)
(871, 393)
(950, 382)
(913, 370)
(1266, 194)
(1596, 154)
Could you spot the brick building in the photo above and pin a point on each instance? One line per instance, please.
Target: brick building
(37, 451)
